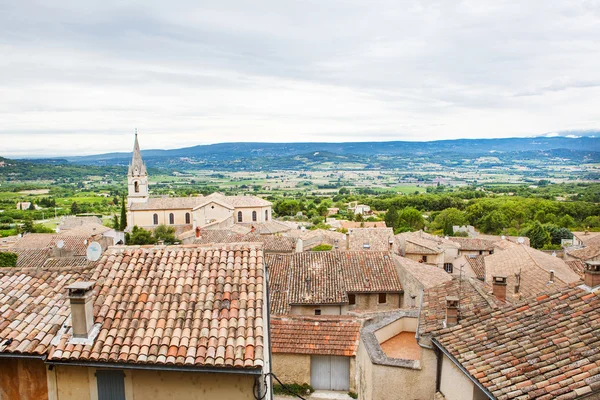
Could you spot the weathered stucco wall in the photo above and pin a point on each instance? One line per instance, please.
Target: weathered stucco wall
(78, 383)
(145, 218)
(412, 288)
(310, 310)
(211, 211)
(453, 383)
(23, 379)
(401, 325)
(292, 368)
(432, 259)
(370, 302)
(382, 382)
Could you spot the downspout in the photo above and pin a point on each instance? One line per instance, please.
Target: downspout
(417, 334)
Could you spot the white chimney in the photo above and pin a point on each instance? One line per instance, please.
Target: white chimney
(81, 296)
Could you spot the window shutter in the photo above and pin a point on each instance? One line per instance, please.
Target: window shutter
(111, 384)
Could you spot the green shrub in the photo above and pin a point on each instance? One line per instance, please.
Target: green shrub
(322, 247)
(302, 389)
(8, 259)
(353, 395)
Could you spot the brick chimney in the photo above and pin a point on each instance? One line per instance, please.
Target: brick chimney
(591, 276)
(81, 296)
(451, 311)
(499, 287)
(197, 232)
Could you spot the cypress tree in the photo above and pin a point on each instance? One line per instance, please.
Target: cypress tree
(123, 218)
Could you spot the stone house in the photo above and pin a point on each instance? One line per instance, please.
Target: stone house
(333, 283)
(415, 278)
(318, 350)
(429, 249)
(152, 322)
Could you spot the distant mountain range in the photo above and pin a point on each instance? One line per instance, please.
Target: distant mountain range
(233, 151)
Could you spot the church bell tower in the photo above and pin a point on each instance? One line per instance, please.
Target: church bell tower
(137, 177)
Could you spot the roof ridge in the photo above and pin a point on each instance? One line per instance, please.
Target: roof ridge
(538, 265)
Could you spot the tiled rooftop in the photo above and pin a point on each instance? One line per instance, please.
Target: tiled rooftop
(534, 267)
(577, 266)
(327, 277)
(428, 275)
(179, 305)
(547, 348)
(33, 307)
(474, 297)
(590, 252)
(473, 244)
(477, 264)
(327, 335)
(271, 244)
(377, 239)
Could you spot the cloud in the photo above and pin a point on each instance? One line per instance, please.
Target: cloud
(76, 77)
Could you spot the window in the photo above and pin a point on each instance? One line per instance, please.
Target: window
(136, 186)
(317, 312)
(155, 219)
(254, 216)
(187, 218)
(172, 219)
(111, 384)
(448, 267)
(239, 216)
(480, 252)
(382, 298)
(266, 215)
(424, 258)
(351, 299)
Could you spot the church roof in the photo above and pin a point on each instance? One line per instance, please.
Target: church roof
(137, 166)
(177, 203)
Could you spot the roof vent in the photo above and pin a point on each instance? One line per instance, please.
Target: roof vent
(551, 280)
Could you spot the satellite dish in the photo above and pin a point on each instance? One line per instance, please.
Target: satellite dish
(521, 240)
(60, 244)
(94, 251)
(85, 241)
(503, 237)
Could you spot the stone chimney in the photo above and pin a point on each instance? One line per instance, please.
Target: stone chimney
(499, 287)
(348, 241)
(451, 311)
(81, 295)
(591, 276)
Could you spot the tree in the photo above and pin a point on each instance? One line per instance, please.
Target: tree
(8, 259)
(75, 208)
(140, 236)
(566, 221)
(166, 234)
(287, 207)
(537, 235)
(412, 219)
(27, 225)
(493, 222)
(116, 224)
(123, 219)
(446, 219)
(392, 219)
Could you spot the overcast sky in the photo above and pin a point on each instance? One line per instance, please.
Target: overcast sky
(77, 77)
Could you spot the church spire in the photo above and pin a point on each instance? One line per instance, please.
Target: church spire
(137, 166)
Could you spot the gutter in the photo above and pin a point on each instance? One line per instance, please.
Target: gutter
(19, 355)
(463, 369)
(238, 371)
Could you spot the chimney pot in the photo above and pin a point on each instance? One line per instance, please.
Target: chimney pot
(451, 311)
(591, 277)
(551, 276)
(81, 296)
(499, 286)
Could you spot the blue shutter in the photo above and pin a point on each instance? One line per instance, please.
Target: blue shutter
(111, 384)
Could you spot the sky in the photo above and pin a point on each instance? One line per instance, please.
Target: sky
(78, 77)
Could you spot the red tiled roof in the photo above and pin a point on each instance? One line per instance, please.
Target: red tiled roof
(477, 264)
(377, 239)
(474, 297)
(176, 305)
(327, 277)
(577, 266)
(589, 252)
(473, 244)
(33, 307)
(30, 258)
(337, 336)
(271, 244)
(547, 348)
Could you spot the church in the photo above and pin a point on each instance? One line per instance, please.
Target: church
(215, 211)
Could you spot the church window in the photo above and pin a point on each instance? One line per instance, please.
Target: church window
(266, 215)
(171, 218)
(254, 216)
(136, 186)
(155, 219)
(239, 216)
(187, 218)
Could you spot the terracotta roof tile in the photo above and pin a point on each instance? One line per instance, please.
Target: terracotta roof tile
(473, 244)
(174, 305)
(477, 264)
(428, 275)
(375, 239)
(337, 336)
(546, 348)
(327, 277)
